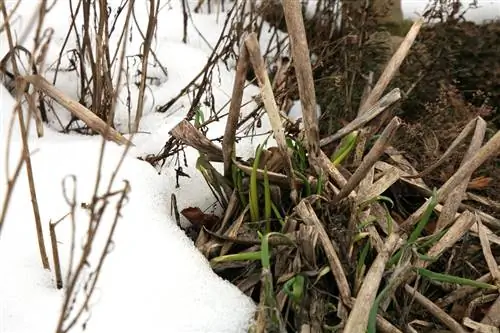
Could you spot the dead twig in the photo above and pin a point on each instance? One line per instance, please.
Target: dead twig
(435, 310)
(190, 135)
(78, 110)
(303, 71)
(234, 110)
(307, 214)
(266, 89)
(358, 317)
(370, 159)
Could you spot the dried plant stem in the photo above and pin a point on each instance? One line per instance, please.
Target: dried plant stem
(392, 66)
(461, 226)
(487, 253)
(386, 101)
(370, 159)
(492, 318)
(20, 86)
(454, 200)
(190, 135)
(382, 324)
(234, 110)
(435, 310)
(153, 14)
(78, 110)
(306, 212)
(255, 56)
(303, 71)
(358, 317)
(55, 255)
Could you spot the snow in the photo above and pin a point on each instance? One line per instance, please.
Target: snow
(412, 9)
(154, 279)
(485, 9)
(295, 112)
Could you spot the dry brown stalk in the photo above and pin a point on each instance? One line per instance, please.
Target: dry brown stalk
(382, 324)
(380, 186)
(392, 66)
(306, 212)
(435, 310)
(266, 89)
(233, 231)
(480, 327)
(454, 200)
(190, 135)
(20, 88)
(379, 107)
(78, 110)
(154, 8)
(234, 110)
(55, 255)
(461, 226)
(358, 318)
(423, 188)
(370, 159)
(487, 253)
(274, 177)
(303, 71)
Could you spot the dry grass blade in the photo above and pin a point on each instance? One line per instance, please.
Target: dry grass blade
(190, 135)
(453, 235)
(370, 159)
(379, 107)
(453, 201)
(234, 110)
(306, 212)
(487, 253)
(358, 318)
(253, 48)
(479, 327)
(233, 231)
(379, 187)
(324, 163)
(78, 110)
(435, 310)
(492, 237)
(382, 324)
(404, 165)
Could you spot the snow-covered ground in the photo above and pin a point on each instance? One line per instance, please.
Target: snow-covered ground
(485, 9)
(154, 280)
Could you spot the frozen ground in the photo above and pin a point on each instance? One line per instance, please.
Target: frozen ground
(154, 279)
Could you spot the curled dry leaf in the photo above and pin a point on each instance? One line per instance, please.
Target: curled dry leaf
(200, 219)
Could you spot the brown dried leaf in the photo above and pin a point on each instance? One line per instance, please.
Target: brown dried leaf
(199, 218)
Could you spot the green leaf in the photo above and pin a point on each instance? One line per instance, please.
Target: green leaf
(453, 279)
